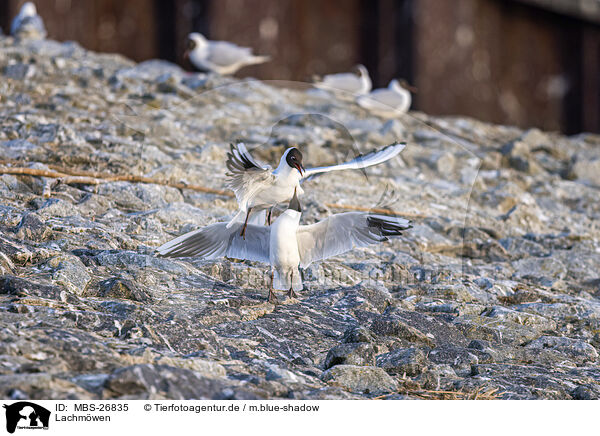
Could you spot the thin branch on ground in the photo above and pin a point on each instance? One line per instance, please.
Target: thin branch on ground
(478, 394)
(79, 177)
(99, 178)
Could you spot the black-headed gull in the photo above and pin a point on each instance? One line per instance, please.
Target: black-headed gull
(28, 24)
(287, 245)
(391, 101)
(358, 83)
(257, 186)
(221, 57)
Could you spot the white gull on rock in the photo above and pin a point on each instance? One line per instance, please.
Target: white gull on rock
(221, 57)
(391, 101)
(358, 83)
(28, 24)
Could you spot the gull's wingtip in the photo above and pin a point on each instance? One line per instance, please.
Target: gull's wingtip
(398, 146)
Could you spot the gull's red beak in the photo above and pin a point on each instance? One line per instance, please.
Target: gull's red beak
(186, 55)
(300, 168)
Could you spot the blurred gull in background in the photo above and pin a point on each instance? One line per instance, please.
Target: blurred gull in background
(221, 57)
(28, 24)
(391, 101)
(356, 83)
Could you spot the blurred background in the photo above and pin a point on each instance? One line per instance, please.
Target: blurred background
(522, 62)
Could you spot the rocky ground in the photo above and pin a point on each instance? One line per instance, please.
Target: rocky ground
(495, 292)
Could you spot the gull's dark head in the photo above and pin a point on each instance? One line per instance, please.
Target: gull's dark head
(295, 203)
(360, 70)
(194, 40)
(294, 159)
(404, 84)
(190, 46)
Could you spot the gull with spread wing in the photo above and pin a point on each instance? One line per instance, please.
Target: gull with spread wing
(259, 187)
(287, 245)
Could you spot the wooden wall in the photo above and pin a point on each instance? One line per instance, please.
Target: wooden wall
(123, 26)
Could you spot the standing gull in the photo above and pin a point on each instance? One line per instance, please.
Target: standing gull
(221, 57)
(28, 24)
(390, 101)
(356, 84)
(287, 245)
(257, 186)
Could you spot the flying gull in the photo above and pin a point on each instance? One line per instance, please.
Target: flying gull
(257, 186)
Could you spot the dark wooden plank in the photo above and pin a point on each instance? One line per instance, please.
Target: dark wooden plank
(113, 26)
(303, 37)
(497, 61)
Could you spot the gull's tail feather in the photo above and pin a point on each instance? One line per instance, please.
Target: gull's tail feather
(258, 60)
(283, 282)
(258, 218)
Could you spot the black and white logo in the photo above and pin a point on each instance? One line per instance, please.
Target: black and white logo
(26, 415)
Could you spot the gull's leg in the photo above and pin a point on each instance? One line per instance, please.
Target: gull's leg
(269, 216)
(291, 292)
(243, 234)
(272, 297)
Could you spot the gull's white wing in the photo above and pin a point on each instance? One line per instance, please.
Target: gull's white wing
(343, 232)
(216, 240)
(16, 23)
(246, 176)
(240, 159)
(223, 53)
(342, 81)
(362, 161)
(385, 100)
(29, 24)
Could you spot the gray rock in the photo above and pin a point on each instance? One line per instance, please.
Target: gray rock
(543, 270)
(586, 170)
(10, 285)
(16, 148)
(351, 354)
(579, 350)
(177, 383)
(117, 287)
(71, 273)
(361, 379)
(589, 392)
(19, 71)
(32, 227)
(409, 361)
(458, 358)
(358, 334)
(416, 328)
(517, 154)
